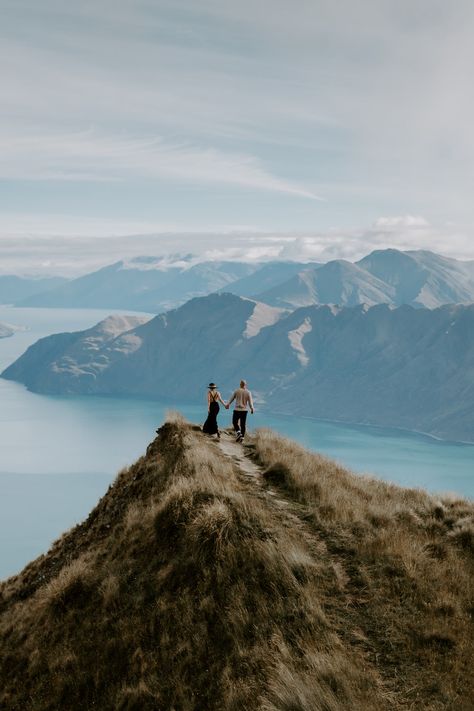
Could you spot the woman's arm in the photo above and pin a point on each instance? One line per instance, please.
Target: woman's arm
(219, 397)
(208, 400)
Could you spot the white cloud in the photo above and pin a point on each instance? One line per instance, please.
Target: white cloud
(89, 156)
(400, 222)
(103, 242)
(250, 95)
(403, 232)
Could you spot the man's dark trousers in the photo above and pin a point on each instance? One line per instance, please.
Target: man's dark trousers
(239, 419)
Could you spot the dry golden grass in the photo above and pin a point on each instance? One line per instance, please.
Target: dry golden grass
(406, 564)
(189, 589)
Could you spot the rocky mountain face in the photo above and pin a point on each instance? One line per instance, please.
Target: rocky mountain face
(399, 367)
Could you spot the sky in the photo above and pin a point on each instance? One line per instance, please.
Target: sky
(263, 128)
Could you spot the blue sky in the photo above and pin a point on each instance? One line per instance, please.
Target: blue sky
(309, 118)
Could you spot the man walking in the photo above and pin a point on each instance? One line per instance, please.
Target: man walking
(243, 401)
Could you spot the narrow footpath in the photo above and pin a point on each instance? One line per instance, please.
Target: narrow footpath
(335, 566)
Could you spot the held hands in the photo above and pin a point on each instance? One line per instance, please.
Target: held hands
(226, 405)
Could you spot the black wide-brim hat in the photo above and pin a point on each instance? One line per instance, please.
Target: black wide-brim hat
(212, 386)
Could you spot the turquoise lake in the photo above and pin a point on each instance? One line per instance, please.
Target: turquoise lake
(58, 455)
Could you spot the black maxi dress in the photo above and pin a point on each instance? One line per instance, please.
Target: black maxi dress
(210, 426)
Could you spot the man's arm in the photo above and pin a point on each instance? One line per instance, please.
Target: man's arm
(251, 402)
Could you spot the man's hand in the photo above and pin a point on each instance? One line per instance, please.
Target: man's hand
(251, 410)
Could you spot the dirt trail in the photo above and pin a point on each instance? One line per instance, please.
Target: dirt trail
(334, 566)
(239, 454)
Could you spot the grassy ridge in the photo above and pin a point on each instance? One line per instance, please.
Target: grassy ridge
(191, 588)
(406, 564)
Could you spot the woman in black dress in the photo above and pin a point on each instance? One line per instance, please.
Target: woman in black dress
(213, 398)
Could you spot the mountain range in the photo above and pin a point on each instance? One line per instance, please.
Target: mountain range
(418, 278)
(380, 365)
(142, 284)
(153, 284)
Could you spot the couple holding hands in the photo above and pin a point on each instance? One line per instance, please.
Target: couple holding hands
(243, 402)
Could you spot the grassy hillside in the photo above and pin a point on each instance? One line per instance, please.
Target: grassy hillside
(269, 579)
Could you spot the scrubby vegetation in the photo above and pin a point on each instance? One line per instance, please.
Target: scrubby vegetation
(191, 588)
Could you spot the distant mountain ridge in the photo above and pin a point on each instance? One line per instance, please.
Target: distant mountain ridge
(397, 367)
(155, 284)
(16, 288)
(142, 284)
(417, 278)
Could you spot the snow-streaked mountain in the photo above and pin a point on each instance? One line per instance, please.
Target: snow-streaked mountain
(143, 284)
(16, 288)
(382, 365)
(418, 278)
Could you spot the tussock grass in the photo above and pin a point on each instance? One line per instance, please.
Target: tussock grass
(405, 563)
(181, 591)
(188, 589)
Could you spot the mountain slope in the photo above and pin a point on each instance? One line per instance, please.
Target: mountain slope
(416, 278)
(168, 357)
(15, 288)
(267, 277)
(337, 282)
(405, 367)
(194, 585)
(422, 278)
(143, 284)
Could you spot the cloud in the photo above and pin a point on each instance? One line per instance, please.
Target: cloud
(404, 232)
(76, 254)
(89, 156)
(400, 222)
(249, 95)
